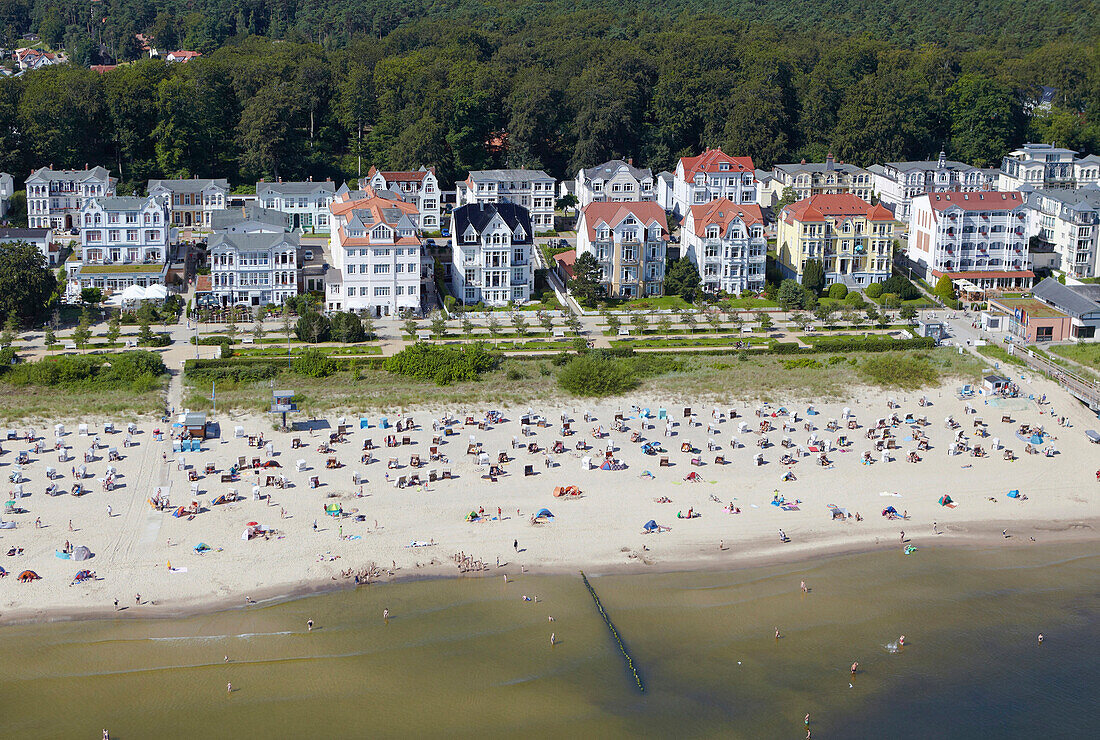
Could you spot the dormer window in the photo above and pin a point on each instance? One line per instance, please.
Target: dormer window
(723, 167)
(712, 232)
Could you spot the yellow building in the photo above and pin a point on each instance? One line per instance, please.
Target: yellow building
(851, 238)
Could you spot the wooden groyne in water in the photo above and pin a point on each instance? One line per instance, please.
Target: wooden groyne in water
(614, 633)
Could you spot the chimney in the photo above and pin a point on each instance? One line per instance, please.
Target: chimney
(803, 161)
(630, 161)
(829, 162)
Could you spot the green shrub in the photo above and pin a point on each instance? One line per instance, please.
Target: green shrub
(873, 291)
(838, 291)
(156, 339)
(314, 363)
(890, 300)
(346, 327)
(901, 287)
(213, 340)
(596, 375)
(313, 327)
(444, 365)
(907, 373)
(854, 300)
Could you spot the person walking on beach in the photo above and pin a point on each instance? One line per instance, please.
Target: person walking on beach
(309, 624)
(903, 535)
(934, 530)
(552, 638)
(110, 512)
(1040, 638)
(116, 605)
(385, 614)
(777, 633)
(229, 688)
(805, 590)
(515, 545)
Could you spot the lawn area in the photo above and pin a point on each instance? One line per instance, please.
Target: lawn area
(341, 351)
(54, 403)
(998, 353)
(521, 381)
(674, 302)
(694, 341)
(1086, 354)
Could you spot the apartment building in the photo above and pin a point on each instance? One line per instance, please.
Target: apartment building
(615, 181)
(532, 190)
(712, 175)
(56, 197)
(305, 202)
(7, 189)
(249, 219)
(1068, 223)
(978, 237)
(851, 238)
(1048, 167)
(253, 269)
(628, 240)
(419, 187)
(819, 178)
(376, 248)
(897, 183)
(491, 247)
(190, 202)
(124, 241)
(726, 242)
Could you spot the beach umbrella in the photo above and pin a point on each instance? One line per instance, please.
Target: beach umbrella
(253, 524)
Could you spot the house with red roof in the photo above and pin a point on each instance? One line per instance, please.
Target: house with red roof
(981, 237)
(628, 240)
(420, 187)
(29, 58)
(182, 56)
(712, 175)
(851, 238)
(726, 242)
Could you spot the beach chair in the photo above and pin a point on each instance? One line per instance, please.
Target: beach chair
(528, 470)
(719, 459)
(177, 445)
(664, 462)
(446, 473)
(433, 475)
(406, 440)
(364, 423)
(81, 430)
(300, 465)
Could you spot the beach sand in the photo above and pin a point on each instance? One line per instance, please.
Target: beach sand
(601, 531)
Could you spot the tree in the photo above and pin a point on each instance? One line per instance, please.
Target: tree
(945, 288)
(368, 326)
(764, 320)
(11, 329)
(585, 285)
(907, 314)
(26, 285)
(883, 320)
(83, 331)
(785, 199)
(258, 329)
(873, 291)
(850, 316)
(91, 295)
(467, 326)
(801, 320)
(838, 291)
(824, 312)
(410, 326)
(714, 319)
(687, 318)
(145, 332)
(986, 119)
(734, 317)
(114, 328)
(790, 294)
(267, 132)
(682, 279)
(493, 324)
(871, 313)
(312, 327)
(613, 322)
(813, 276)
(49, 338)
(231, 329)
(890, 300)
(546, 320)
(438, 324)
(574, 322)
(664, 324)
(519, 321)
(346, 327)
(640, 322)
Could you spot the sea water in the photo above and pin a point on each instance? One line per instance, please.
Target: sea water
(470, 656)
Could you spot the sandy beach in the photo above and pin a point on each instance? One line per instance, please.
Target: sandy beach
(140, 550)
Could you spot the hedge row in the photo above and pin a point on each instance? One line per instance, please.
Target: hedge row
(248, 369)
(851, 344)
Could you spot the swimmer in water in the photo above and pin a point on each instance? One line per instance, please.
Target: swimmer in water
(229, 688)
(901, 641)
(309, 624)
(1040, 638)
(777, 633)
(385, 614)
(855, 667)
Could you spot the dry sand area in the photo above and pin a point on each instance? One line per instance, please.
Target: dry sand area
(601, 530)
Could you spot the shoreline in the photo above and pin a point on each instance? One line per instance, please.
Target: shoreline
(1057, 533)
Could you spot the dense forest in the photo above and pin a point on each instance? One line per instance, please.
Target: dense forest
(321, 88)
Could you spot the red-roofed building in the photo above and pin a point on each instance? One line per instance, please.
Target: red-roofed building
(628, 240)
(727, 244)
(29, 58)
(565, 261)
(420, 187)
(977, 236)
(851, 238)
(182, 56)
(376, 249)
(712, 175)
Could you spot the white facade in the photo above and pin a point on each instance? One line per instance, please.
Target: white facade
(491, 253)
(615, 181)
(305, 202)
(712, 175)
(190, 202)
(123, 241)
(531, 189)
(727, 244)
(376, 249)
(1068, 221)
(254, 269)
(980, 237)
(419, 187)
(897, 183)
(1048, 167)
(42, 239)
(55, 197)
(7, 188)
